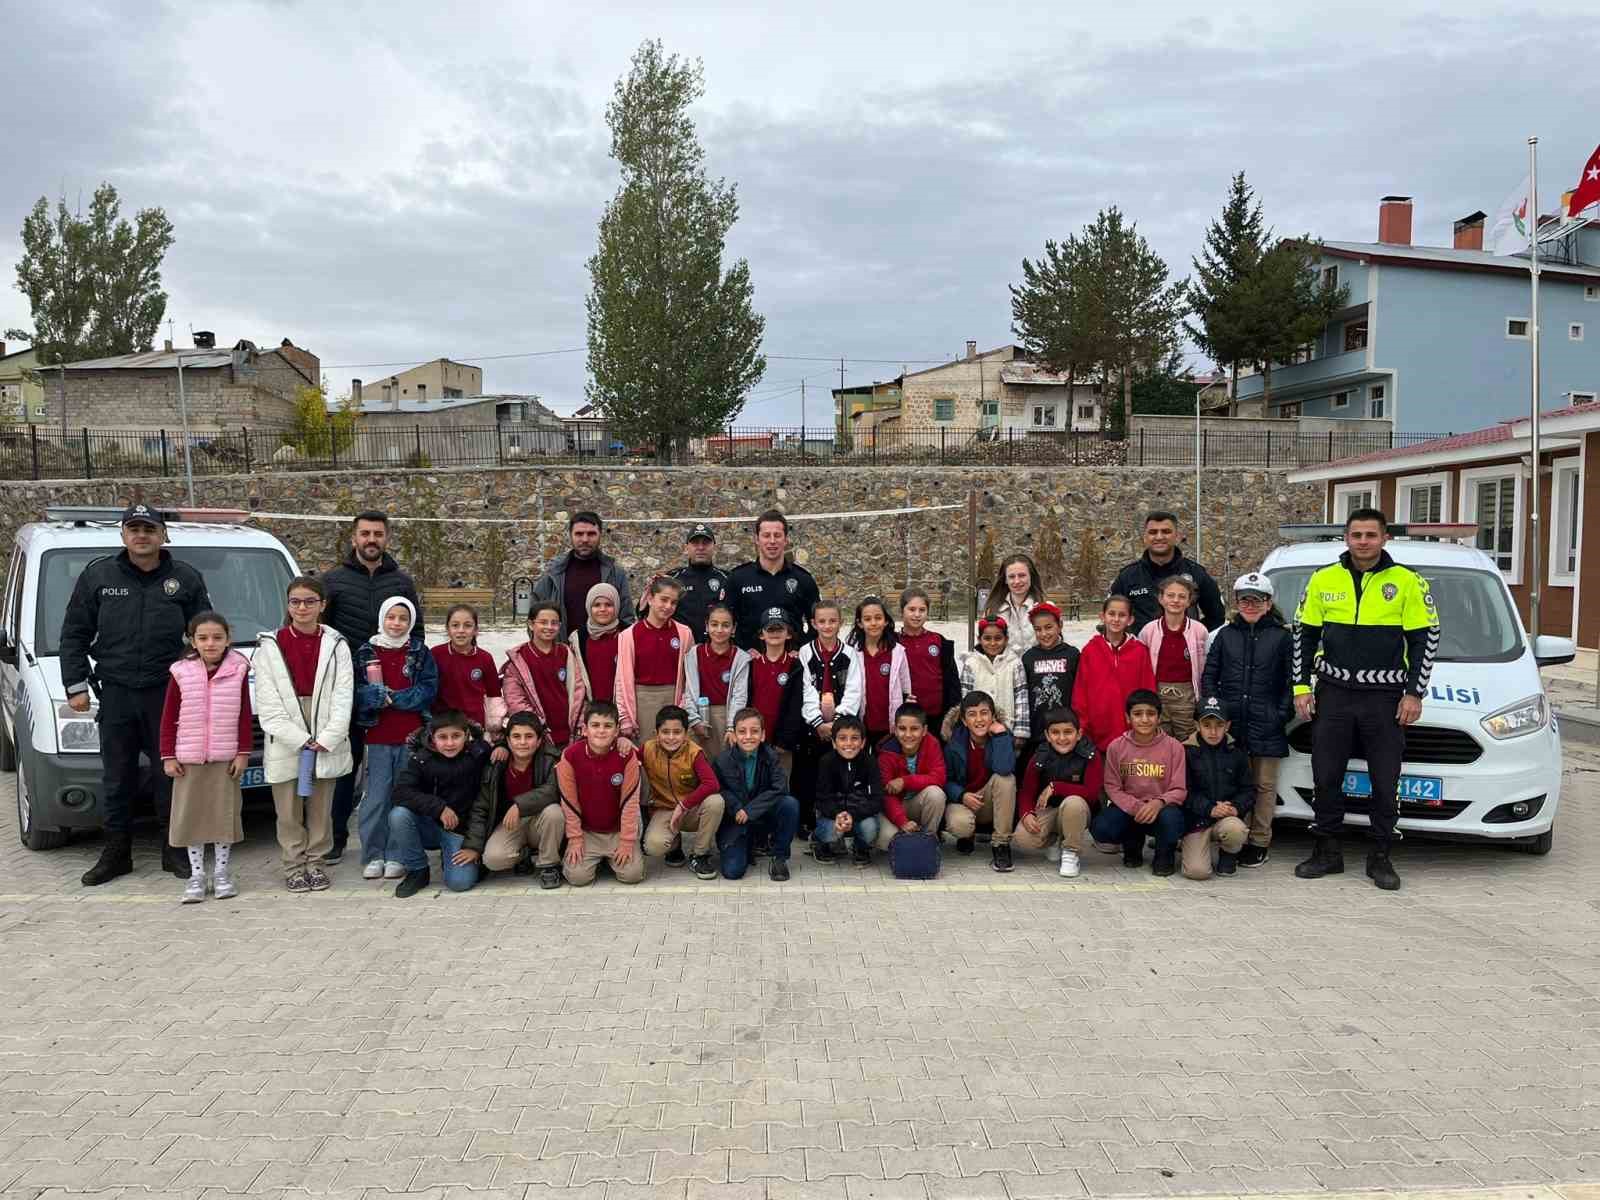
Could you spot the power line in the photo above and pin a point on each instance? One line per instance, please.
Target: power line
(477, 358)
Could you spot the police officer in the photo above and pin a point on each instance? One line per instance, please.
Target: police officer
(1140, 581)
(1378, 631)
(130, 611)
(703, 583)
(771, 580)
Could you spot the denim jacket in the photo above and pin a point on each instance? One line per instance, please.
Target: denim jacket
(424, 674)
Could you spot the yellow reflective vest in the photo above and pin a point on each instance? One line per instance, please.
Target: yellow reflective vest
(1372, 630)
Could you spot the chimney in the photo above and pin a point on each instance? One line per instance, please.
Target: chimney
(166, 344)
(1394, 220)
(2, 349)
(1469, 232)
(972, 349)
(204, 339)
(355, 394)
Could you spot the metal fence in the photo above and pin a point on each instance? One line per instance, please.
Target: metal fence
(41, 452)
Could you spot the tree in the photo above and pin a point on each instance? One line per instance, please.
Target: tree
(1086, 577)
(314, 431)
(1288, 304)
(94, 282)
(1218, 294)
(1053, 314)
(1047, 552)
(674, 342)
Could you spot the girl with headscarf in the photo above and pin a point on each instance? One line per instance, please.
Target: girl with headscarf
(594, 643)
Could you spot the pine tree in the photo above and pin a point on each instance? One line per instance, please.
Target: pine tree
(1234, 244)
(1288, 304)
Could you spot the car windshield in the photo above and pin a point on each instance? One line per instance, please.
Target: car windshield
(246, 585)
(1476, 623)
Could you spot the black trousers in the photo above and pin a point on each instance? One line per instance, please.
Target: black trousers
(130, 723)
(344, 788)
(1351, 723)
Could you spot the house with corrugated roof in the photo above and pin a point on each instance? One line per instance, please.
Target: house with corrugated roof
(1438, 337)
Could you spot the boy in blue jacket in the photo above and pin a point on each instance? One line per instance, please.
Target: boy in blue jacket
(980, 765)
(756, 799)
(1222, 793)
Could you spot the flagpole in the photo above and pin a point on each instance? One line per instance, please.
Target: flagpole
(1536, 505)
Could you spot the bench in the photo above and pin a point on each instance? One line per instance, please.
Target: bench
(436, 600)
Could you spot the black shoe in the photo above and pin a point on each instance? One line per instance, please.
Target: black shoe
(1000, 856)
(1381, 871)
(337, 852)
(1227, 864)
(1132, 856)
(524, 864)
(779, 870)
(861, 856)
(550, 878)
(1326, 859)
(760, 849)
(116, 858)
(412, 883)
(822, 852)
(675, 856)
(1253, 856)
(175, 861)
(1165, 861)
(703, 867)
(966, 845)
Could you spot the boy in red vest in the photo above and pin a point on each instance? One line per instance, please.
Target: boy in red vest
(599, 778)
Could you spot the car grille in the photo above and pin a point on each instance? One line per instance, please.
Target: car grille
(1424, 744)
(1411, 810)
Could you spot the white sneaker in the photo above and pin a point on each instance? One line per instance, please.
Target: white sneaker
(223, 887)
(394, 870)
(1052, 852)
(195, 890)
(1069, 864)
(373, 870)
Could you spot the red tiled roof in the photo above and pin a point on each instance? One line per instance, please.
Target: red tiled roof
(1505, 431)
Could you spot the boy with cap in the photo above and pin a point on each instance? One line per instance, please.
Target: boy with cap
(1221, 795)
(775, 686)
(701, 582)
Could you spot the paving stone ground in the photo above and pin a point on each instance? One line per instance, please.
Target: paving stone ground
(843, 1036)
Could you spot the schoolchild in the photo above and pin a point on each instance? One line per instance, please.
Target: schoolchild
(775, 688)
(305, 685)
(1060, 793)
(1221, 795)
(1249, 666)
(518, 809)
(1049, 669)
(1145, 775)
(396, 683)
(542, 676)
(911, 765)
(885, 674)
(596, 644)
(1177, 645)
(930, 659)
(995, 669)
(980, 764)
(683, 794)
(757, 803)
(434, 796)
(716, 682)
(601, 781)
(1111, 667)
(205, 747)
(849, 794)
(651, 661)
(468, 681)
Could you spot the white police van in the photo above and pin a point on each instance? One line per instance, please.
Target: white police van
(54, 750)
(1484, 762)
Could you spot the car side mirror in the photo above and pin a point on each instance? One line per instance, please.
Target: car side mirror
(1553, 651)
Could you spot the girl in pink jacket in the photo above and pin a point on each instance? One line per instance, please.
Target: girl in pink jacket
(652, 654)
(1177, 654)
(205, 747)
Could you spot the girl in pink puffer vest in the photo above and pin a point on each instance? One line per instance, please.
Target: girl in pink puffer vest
(205, 747)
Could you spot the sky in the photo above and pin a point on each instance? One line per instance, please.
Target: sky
(390, 183)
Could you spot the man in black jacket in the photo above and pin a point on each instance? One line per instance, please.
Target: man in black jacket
(771, 580)
(130, 611)
(701, 581)
(1140, 580)
(356, 587)
(568, 576)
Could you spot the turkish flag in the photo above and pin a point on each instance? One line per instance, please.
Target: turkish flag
(1588, 190)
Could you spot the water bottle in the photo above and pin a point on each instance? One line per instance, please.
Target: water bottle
(308, 772)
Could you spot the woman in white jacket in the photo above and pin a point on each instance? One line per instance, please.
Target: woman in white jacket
(305, 683)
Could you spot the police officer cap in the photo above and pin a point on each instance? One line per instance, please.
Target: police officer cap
(1253, 581)
(142, 514)
(1211, 706)
(775, 616)
(700, 531)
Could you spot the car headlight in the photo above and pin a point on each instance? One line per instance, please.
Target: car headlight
(76, 732)
(1518, 718)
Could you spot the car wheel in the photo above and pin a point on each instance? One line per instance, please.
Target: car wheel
(1540, 845)
(30, 834)
(8, 749)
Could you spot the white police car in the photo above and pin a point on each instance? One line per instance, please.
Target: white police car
(54, 750)
(1484, 762)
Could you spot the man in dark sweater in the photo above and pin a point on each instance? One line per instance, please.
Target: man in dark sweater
(569, 575)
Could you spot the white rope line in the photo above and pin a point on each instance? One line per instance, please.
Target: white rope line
(742, 520)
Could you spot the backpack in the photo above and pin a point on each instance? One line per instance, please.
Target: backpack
(914, 855)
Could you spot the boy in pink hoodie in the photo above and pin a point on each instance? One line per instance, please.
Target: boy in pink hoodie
(1146, 779)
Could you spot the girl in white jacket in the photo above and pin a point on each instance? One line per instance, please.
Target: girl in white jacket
(305, 682)
(995, 668)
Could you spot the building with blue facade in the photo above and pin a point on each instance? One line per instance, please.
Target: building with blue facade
(1437, 339)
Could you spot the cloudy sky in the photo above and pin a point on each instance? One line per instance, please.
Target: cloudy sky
(387, 183)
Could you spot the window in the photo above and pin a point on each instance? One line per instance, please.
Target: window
(1575, 332)
(1492, 497)
(989, 412)
(422, 391)
(1516, 327)
(1591, 292)
(1567, 491)
(451, 393)
(1289, 412)
(1355, 335)
(1347, 497)
(1376, 406)
(1085, 412)
(944, 409)
(1422, 497)
(1581, 397)
(1044, 415)
(1341, 400)
(1330, 277)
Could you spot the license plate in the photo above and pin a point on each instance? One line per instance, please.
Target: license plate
(1412, 787)
(253, 777)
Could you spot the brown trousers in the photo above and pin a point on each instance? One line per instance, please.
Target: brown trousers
(305, 826)
(1265, 773)
(926, 808)
(603, 845)
(1177, 708)
(999, 810)
(1228, 833)
(1069, 820)
(702, 820)
(542, 832)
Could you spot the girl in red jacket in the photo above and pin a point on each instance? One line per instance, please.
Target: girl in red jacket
(1112, 667)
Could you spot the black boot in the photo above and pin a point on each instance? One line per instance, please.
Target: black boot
(1227, 864)
(175, 861)
(1380, 870)
(1133, 852)
(1165, 861)
(116, 858)
(1326, 859)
